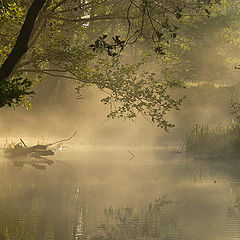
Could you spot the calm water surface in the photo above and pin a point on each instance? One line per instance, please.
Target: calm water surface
(104, 194)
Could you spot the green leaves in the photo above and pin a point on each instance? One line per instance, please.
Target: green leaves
(208, 12)
(113, 49)
(178, 15)
(159, 35)
(178, 12)
(131, 93)
(13, 91)
(159, 50)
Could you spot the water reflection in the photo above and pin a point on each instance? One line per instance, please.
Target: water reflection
(108, 197)
(20, 154)
(38, 163)
(158, 220)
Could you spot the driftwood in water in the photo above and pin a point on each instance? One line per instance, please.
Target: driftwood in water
(60, 141)
(36, 151)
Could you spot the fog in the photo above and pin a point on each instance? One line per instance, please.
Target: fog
(57, 113)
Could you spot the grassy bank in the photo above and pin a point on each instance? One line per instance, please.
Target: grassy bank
(217, 141)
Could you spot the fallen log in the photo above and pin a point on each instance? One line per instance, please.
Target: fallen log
(36, 151)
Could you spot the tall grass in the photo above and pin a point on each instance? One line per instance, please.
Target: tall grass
(220, 140)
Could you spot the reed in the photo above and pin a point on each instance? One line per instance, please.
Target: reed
(216, 141)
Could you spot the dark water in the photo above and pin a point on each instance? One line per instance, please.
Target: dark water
(104, 194)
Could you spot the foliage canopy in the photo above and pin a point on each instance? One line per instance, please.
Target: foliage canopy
(82, 40)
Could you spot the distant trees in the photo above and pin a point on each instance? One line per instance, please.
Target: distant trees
(206, 49)
(52, 38)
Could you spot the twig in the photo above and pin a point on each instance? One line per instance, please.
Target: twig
(23, 143)
(67, 164)
(64, 140)
(133, 156)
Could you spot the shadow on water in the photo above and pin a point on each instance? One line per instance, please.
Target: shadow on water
(108, 196)
(38, 163)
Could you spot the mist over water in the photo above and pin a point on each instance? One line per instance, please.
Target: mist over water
(57, 113)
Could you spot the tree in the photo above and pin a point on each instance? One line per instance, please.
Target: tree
(54, 37)
(206, 49)
(15, 88)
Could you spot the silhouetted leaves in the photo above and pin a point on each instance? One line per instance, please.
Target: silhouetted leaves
(159, 35)
(132, 93)
(113, 48)
(208, 12)
(178, 15)
(159, 50)
(13, 91)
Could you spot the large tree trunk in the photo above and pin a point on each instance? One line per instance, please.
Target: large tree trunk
(21, 45)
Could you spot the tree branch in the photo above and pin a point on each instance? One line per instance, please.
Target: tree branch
(21, 45)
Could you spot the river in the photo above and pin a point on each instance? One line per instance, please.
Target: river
(119, 193)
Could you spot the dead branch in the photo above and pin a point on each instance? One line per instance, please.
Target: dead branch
(133, 156)
(23, 143)
(64, 140)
